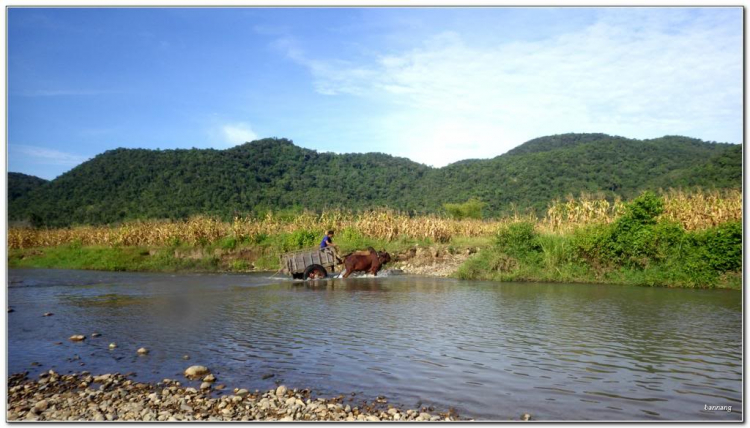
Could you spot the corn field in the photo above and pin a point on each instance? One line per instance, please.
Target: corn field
(696, 210)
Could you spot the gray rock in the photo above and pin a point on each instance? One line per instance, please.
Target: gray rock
(209, 378)
(206, 385)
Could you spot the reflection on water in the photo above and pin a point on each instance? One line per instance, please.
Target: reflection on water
(491, 351)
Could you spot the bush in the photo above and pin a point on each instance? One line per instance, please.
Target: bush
(300, 239)
(633, 240)
(644, 209)
(721, 246)
(518, 239)
(229, 243)
(469, 209)
(239, 265)
(487, 265)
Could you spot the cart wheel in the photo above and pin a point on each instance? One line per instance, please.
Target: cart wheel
(315, 272)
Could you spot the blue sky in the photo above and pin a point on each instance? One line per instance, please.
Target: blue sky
(434, 85)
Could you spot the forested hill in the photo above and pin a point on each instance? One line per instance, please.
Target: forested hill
(21, 184)
(126, 184)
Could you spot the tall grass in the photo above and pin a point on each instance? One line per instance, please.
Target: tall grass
(695, 210)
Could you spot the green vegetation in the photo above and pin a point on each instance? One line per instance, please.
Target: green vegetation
(20, 185)
(635, 249)
(272, 174)
(469, 209)
(227, 255)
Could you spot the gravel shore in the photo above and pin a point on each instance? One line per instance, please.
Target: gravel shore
(116, 397)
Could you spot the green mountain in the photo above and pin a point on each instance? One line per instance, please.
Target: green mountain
(125, 184)
(21, 184)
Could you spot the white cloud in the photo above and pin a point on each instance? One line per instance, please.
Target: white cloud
(633, 73)
(44, 156)
(238, 133)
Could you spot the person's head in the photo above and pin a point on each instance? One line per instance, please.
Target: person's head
(330, 233)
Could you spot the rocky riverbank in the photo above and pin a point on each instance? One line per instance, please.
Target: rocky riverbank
(432, 261)
(117, 397)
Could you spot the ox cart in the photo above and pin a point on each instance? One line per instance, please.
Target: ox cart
(309, 264)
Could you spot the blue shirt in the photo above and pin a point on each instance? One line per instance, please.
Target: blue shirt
(325, 241)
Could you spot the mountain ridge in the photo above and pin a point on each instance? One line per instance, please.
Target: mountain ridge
(125, 184)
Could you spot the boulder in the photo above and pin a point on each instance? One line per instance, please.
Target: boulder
(193, 372)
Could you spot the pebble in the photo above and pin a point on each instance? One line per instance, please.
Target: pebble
(112, 345)
(96, 334)
(116, 397)
(47, 314)
(186, 357)
(77, 337)
(142, 351)
(41, 406)
(525, 417)
(209, 378)
(280, 391)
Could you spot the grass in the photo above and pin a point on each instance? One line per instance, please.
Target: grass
(109, 259)
(222, 255)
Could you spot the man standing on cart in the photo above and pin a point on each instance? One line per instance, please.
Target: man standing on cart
(327, 245)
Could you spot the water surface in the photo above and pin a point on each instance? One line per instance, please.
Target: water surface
(489, 350)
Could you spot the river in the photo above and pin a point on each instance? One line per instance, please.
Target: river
(492, 351)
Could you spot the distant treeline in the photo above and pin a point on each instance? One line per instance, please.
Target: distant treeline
(272, 174)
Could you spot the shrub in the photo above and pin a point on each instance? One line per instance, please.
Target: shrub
(721, 246)
(239, 265)
(518, 239)
(229, 243)
(469, 209)
(644, 209)
(300, 239)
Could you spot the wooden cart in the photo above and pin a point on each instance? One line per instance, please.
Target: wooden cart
(309, 264)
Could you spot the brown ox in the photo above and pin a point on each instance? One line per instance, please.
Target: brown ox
(365, 261)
